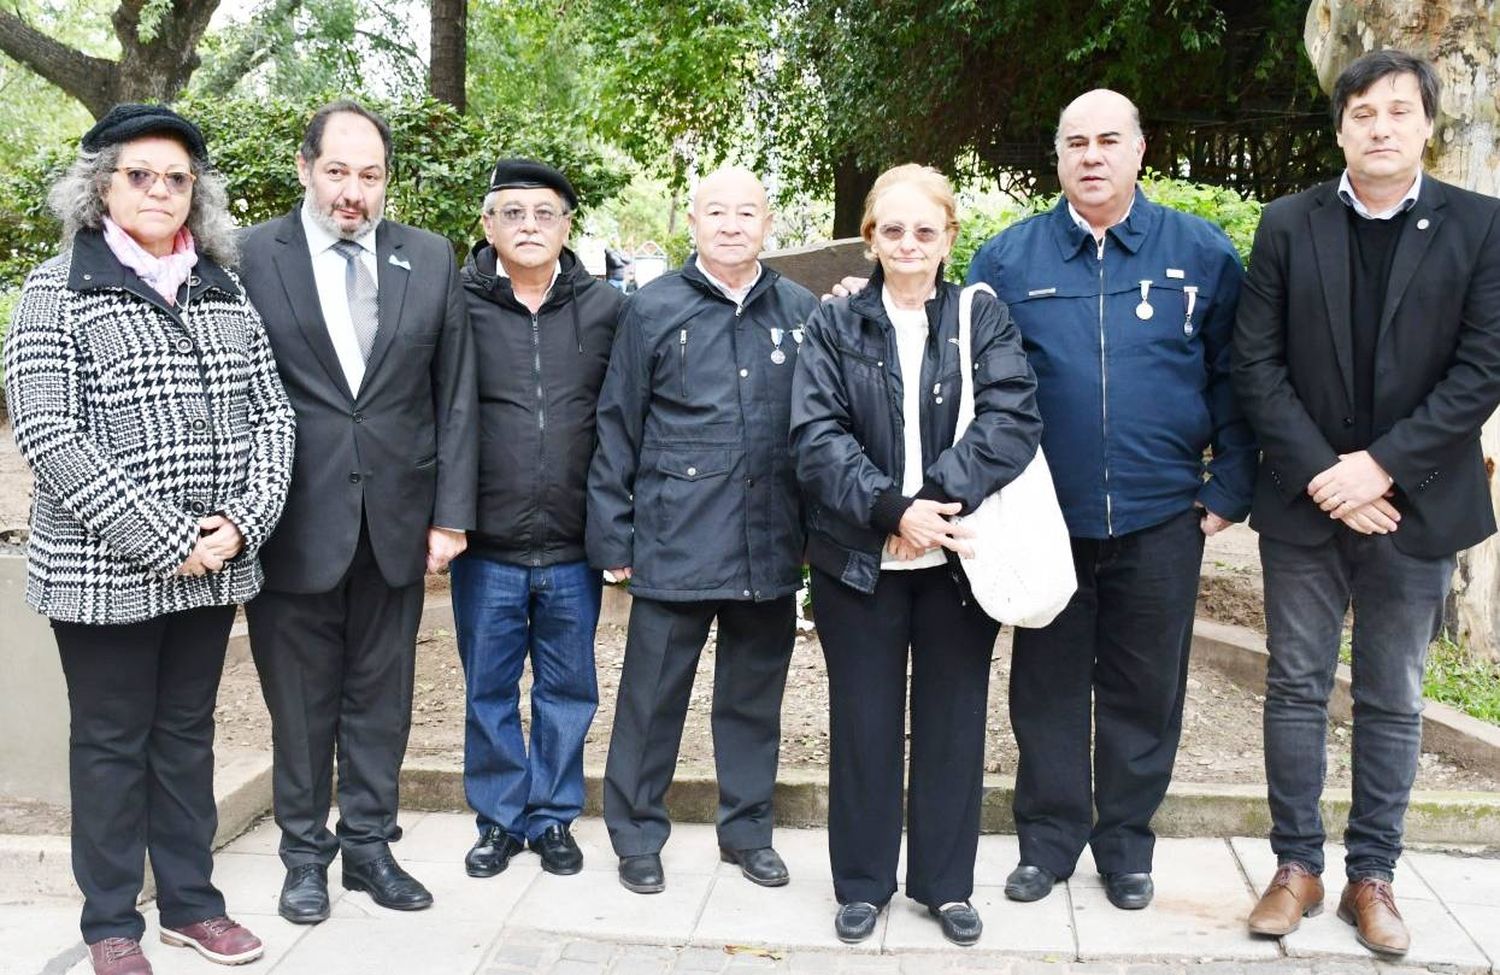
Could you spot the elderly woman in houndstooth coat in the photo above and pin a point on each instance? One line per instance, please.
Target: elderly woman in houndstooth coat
(144, 396)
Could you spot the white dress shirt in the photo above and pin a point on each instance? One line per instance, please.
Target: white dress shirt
(736, 295)
(911, 343)
(328, 274)
(1346, 193)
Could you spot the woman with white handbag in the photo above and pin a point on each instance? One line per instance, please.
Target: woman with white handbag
(874, 408)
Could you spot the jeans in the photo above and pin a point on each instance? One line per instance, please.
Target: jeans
(1118, 654)
(505, 613)
(1398, 602)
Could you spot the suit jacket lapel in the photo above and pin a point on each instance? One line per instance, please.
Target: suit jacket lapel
(395, 271)
(294, 264)
(1421, 227)
(1330, 233)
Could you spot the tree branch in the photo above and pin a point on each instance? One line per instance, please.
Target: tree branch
(89, 79)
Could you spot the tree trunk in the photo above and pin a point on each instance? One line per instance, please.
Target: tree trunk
(1462, 39)
(449, 51)
(154, 70)
(850, 184)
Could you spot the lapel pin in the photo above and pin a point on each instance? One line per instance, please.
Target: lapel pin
(403, 265)
(1423, 224)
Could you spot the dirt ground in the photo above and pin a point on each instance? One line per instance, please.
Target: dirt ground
(1221, 721)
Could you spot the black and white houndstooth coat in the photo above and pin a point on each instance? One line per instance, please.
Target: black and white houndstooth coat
(138, 420)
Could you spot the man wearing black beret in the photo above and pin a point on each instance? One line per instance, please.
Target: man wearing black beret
(542, 330)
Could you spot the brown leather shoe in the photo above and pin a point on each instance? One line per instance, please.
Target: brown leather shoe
(1369, 904)
(1294, 893)
(219, 939)
(118, 956)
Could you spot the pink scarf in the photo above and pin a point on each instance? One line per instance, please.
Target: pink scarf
(165, 274)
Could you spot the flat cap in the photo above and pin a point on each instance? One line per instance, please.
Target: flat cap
(528, 174)
(130, 121)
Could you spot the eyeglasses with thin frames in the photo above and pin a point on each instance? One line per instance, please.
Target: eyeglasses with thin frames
(895, 232)
(179, 182)
(515, 216)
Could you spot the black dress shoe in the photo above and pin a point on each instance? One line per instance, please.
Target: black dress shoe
(304, 894)
(387, 884)
(1128, 891)
(491, 853)
(559, 853)
(762, 865)
(960, 922)
(642, 874)
(1029, 882)
(855, 921)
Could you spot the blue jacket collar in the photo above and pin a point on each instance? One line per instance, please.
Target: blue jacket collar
(1129, 233)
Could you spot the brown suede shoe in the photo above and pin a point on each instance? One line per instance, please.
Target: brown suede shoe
(118, 956)
(1294, 893)
(1369, 904)
(218, 939)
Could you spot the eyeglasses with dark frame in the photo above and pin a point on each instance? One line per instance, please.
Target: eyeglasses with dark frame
(515, 216)
(179, 181)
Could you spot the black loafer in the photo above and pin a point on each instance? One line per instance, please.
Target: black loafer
(855, 921)
(1129, 891)
(642, 874)
(960, 922)
(387, 884)
(1029, 882)
(559, 853)
(304, 894)
(491, 853)
(762, 865)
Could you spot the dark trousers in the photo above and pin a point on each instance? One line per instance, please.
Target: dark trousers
(1119, 654)
(866, 640)
(661, 658)
(1398, 604)
(141, 765)
(336, 670)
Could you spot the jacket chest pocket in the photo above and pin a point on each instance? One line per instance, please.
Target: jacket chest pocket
(1166, 321)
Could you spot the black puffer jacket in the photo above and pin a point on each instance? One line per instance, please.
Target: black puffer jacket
(847, 427)
(539, 379)
(692, 485)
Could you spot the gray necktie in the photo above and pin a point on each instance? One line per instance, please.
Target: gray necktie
(364, 298)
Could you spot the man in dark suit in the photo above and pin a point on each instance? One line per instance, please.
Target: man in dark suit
(1367, 357)
(368, 323)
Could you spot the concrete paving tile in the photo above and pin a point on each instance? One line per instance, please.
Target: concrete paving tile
(429, 943)
(998, 855)
(251, 882)
(264, 837)
(1436, 937)
(279, 937)
(456, 897)
(1478, 921)
(1180, 923)
(1458, 879)
(592, 904)
(1041, 928)
(1260, 865)
(804, 850)
(33, 934)
(436, 838)
(799, 914)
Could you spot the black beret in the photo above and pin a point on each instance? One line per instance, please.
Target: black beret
(528, 174)
(125, 122)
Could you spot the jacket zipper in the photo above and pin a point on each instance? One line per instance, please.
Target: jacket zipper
(541, 428)
(682, 359)
(1109, 521)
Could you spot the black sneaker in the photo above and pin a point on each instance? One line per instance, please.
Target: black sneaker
(559, 853)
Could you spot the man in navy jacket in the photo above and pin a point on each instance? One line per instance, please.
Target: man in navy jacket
(1125, 308)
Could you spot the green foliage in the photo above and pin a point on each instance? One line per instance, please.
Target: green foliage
(442, 164)
(1459, 679)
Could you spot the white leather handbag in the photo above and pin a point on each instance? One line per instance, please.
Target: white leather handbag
(1022, 568)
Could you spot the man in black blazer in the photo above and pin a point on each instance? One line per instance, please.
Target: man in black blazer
(1367, 357)
(368, 323)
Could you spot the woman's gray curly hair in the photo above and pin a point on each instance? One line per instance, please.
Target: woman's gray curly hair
(77, 198)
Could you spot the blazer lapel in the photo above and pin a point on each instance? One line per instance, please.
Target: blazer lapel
(294, 264)
(1330, 233)
(395, 272)
(1422, 224)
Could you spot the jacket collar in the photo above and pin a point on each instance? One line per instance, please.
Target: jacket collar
(94, 267)
(693, 276)
(1129, 233)
(868, 303)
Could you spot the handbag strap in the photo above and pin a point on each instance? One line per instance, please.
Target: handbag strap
(966, 356)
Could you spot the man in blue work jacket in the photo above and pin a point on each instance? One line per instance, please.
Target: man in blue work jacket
(1126, 309)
